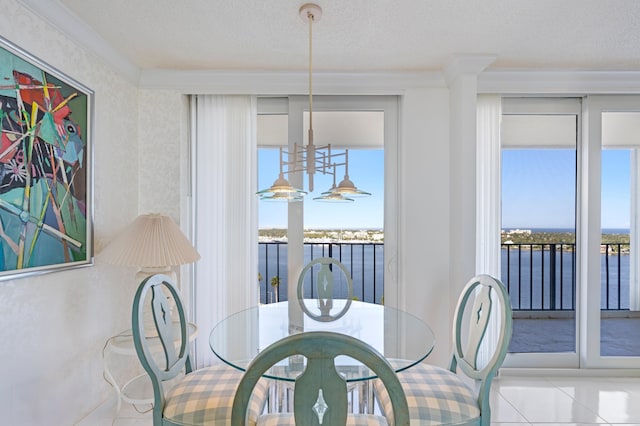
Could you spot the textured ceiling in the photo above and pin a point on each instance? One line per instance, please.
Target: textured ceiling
(368, 35)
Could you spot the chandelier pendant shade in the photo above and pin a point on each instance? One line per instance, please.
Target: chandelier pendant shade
(310, 158)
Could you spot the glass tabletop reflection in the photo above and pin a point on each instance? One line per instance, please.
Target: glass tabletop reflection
(403, 339)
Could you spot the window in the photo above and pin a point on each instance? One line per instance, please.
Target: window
(573, 284)
(539, 181)
(351, 232)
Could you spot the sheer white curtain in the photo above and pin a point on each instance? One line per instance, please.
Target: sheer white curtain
(634, 250)
(488, 214)
(488, 185)
(226, 224)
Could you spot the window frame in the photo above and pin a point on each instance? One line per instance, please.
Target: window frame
(552, 106)
(295, 106)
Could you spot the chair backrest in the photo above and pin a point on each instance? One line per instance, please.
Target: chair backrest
(162, 350)
(320, 394)
(323, 287)
(490, 300)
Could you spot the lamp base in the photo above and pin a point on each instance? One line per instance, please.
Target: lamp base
(147, 272)
(141, 275)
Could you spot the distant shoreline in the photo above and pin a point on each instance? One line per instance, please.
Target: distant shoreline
(506, 229)
(564, 230)
(508, 235)
(326, 236)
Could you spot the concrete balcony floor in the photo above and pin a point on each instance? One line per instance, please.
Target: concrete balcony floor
(620, 336)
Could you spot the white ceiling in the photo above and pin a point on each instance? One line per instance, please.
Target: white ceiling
(361, 35)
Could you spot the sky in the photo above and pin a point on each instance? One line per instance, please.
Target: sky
(366, 171)
(538, 188)
(538, 191)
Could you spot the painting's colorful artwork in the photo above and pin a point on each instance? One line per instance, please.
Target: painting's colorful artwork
(45, 199)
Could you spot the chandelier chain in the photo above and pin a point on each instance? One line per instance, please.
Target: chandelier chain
(311, 158)
(310, 18)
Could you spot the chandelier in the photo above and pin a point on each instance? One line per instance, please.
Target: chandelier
(311, 158)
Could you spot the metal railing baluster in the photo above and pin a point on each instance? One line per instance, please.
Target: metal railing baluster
(560, 271)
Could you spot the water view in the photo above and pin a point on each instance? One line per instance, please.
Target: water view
(538, 268)
(364, 260)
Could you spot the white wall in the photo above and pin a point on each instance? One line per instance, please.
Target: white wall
(54, 326)
(424, 212)
(462, 207)
(163, 166)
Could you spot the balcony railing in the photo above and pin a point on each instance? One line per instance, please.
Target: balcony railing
(539, 277)
(364, 261)
(542, 277)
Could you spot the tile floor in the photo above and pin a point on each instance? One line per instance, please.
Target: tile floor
(516, 401)
(565, 401)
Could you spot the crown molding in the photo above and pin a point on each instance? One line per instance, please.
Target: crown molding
(68, 23)
(466, 64)
(570, 82)
(393, 83)
(288, 82)
(559, 82)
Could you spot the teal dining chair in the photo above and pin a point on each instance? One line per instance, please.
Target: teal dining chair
(319, 283)
(182, 396)
(439, 396)
(321, 273)
(320, 393)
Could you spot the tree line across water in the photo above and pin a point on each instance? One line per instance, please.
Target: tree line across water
(372, 235)
(545, 237)
(508, 237)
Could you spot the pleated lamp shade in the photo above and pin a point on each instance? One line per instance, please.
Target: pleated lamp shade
(151, 241)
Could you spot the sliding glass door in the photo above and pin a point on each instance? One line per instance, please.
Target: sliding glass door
(570, 230)
(539, 139)
(613, 302)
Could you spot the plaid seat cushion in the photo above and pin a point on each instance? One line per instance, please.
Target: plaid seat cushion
(435, 396)
(287, 419)
(205, 396)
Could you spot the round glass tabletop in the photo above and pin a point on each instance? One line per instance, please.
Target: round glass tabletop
(403, 339)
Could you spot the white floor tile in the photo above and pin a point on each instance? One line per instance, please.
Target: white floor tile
(105, 415)
(502, 411)
(133, 422)
(609, 397)
(540, 401)
(569, 424)
(515, 401)
(509, 424)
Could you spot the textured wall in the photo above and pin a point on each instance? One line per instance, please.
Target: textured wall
(54, 326)
(423, 214)
(161, 140)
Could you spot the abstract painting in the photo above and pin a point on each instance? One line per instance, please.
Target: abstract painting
(45, 161)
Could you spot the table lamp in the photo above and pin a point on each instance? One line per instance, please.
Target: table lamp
(153, 243)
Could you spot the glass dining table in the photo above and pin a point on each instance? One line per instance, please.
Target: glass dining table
(403, 339)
